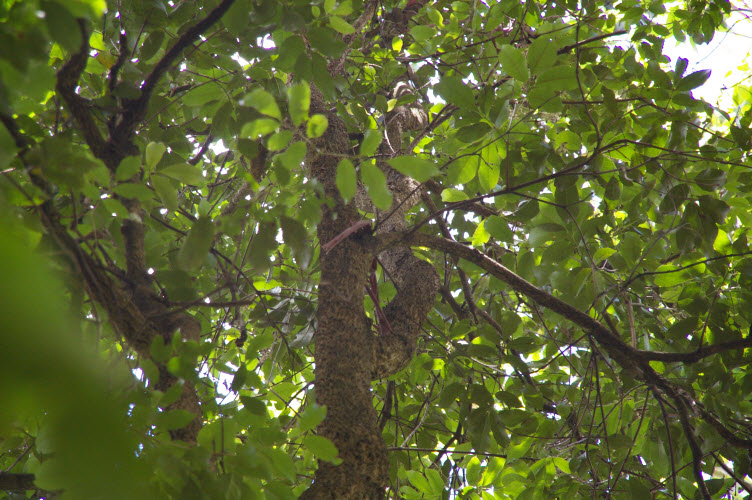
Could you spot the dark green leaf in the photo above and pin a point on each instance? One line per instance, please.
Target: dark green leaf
(456, 92)
(193, 252)
(513, 62)
(693, 80)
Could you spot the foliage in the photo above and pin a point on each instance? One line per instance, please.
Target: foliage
(562, 143)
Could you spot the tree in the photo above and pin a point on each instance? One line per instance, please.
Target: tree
(367, 249)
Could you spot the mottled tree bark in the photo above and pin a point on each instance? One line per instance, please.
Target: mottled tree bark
(348, 353)
(344, 341)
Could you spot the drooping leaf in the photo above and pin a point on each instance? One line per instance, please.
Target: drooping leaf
(299, 100)
(196, 247)
(154, 153)
(347, 179)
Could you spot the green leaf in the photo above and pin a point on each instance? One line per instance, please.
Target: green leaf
(499, 229)
(194, 250)
(371, 141)
(151, 45)
(474, 132)
(292, 48)
(451, 195)
(462, 170)
(562, 465)
(436, 483)
(693, 80)
(347, 179)
(8, 148)
(671, 276)
(341, 25)
(133, 191)
(316, 126)
(128, 168)
(253, 405)
(488, 175)
(419, 169)
(293, 157)
(262, 244)
(203, 94)
(166, 192)
(279, 140)
(560, 77)
(374, 181)
(294, 235)
(321, 447)
(62, 26)
(541, 55)
(513, 63)
(711, 179)
(419, 481)
(455, 91)
(154, 153)
(183, 172)
(480, 236)
(311, 417)
(238, 380)
(473, 471)
(237, 17)
(174, 419)
(299, 101)
(259, 128)
(263, 102)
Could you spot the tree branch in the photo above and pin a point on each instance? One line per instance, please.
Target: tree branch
(135, 110)
(67, 81)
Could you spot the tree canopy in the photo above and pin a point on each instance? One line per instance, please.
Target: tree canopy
(372, 249)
